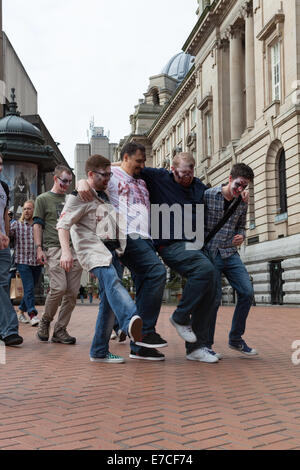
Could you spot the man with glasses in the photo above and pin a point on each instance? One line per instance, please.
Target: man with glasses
(129, 195)
(223, 249)
(64, 285)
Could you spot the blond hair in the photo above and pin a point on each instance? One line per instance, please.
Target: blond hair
(30, 201)
(183, 156)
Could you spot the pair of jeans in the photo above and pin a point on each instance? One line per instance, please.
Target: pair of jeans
(149, 276)
(234, 270)
(8, 318)
(115, 301)
(30, 276)
(198, 297)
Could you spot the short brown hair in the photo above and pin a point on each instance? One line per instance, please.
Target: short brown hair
(58, 171)
(96, 161)
(240, 170)
(186, 156)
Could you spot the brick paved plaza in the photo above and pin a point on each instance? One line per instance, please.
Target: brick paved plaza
(52, 397)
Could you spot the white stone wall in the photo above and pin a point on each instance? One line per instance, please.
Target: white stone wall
(15, 76)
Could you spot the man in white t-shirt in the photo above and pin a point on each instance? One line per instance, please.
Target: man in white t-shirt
(129, 195)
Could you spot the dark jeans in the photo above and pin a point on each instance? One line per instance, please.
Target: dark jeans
(30, 276)
(234, 270)
(198, 297)
(149, 276)
(8, 317)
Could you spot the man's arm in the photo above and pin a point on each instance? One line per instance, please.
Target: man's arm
(6, 221)
(240, 236)
(38, 240)
(4, 241)
(71, 214)
(66, 260)
(85, 191)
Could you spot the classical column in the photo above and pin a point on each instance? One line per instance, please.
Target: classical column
(250, 66)
(236, 83)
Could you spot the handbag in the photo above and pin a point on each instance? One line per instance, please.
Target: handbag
(16, 288)
(231, 209)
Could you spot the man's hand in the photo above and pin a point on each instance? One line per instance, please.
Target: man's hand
(40, 256)
(66, 261)
(84, 191)
(238, 240)
(245, 196)
(4, 241)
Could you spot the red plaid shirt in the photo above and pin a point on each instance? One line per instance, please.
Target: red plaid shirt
(25, 252)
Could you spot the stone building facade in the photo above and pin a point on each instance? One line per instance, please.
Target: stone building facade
(240, 102)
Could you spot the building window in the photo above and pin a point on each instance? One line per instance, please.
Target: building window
(193, 117)
(208, 134)
(168, 148)
(275, 72)
(155, 97)
(281, 172)
(179, 133)
(251, 206)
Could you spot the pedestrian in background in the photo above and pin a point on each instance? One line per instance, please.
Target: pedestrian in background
(26, 262)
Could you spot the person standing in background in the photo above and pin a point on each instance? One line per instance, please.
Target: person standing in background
(26, 262)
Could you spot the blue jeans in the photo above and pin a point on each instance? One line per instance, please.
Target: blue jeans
(8, 317)
(198, 297)
(234, 270)
(114, 298)
(30, 276)
(149, 276)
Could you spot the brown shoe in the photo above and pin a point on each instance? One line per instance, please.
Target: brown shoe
(43, 330)
(62, 336)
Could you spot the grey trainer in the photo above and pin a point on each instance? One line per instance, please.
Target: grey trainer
(62, 336)
(43, 330)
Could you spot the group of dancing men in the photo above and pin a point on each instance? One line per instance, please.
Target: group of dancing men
(130, 215)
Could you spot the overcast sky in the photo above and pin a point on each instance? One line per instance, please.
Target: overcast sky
(94, 57)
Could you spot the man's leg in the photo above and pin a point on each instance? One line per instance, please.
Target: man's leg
(238, 277)
(58, 287)
(199, 292)
(114, 298)
(8, 317)
(68, 304)
(218, 263)
(149, 276)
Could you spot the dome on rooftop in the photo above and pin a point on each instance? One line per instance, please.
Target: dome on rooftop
(179, 66)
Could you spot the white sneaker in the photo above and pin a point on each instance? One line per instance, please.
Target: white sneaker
(34, 321)
(135, 329)
(113, 335)
(22, 318)
(184, 331)
(202, 355)
(218, 355)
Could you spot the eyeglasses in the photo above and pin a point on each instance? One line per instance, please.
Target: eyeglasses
(65, 181)
(239, 185)
(104, 175)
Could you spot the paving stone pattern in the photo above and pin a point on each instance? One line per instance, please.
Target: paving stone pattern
(52, 397)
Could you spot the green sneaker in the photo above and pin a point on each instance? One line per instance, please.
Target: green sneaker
(109, 358)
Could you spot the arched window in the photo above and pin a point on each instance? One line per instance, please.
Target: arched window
(281, 180)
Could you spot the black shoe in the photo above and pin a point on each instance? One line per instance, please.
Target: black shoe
(147, 355)
(152, 340)
(13, 340)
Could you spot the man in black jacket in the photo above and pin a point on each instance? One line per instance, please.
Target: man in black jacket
(8, 317)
